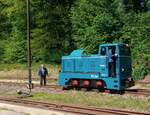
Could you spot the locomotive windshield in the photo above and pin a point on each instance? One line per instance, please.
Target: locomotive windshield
(125, 50)
(103, 51)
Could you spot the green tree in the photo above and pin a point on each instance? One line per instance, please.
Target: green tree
(107, 21)
(51, 29)
(59, 26)
(95, 22)
(5, 29)
(15, 46)
(136, 33)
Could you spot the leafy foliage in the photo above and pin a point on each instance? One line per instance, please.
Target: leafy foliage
(51, 29)
(59, 26)
(15, 45)
(136, 32)
(98, 24)
(106, 21)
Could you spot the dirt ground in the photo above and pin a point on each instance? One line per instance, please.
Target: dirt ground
(11, 89)
(9, 109)
(147, 79)
(9, 112)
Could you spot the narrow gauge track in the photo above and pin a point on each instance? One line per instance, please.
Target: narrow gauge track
(25, 78)
(70, 108)
(138, 92)
(55, 86)
(144, 92)
(141, 82)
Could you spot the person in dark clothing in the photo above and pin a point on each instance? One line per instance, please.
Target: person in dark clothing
(43, 72)
(111, 63)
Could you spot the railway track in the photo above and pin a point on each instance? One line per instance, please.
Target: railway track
(144, 92)
(70, 108)
(55, 86)
(141, 82)
(25, 78)
(137, 92)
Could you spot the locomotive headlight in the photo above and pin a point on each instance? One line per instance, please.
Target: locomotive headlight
(122, 69)
(116, 55)
(127, 45)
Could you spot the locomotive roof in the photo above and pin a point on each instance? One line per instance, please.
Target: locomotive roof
(112, 44)
(79, 52)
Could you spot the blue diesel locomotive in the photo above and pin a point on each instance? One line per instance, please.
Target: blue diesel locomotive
(109, 69)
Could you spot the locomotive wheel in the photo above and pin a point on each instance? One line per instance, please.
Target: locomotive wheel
(99, 84)
(74, 83)
(86, 83)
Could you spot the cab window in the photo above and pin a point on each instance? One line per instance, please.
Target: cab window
(112, 48)
(103, 51)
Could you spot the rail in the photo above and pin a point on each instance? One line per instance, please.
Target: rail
(70, 108)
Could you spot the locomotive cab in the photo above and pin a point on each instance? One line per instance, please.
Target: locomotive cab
(116, 59)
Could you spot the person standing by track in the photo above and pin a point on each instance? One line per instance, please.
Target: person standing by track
(43, 72)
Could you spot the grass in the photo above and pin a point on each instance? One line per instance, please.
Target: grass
(8, 67)
(96, 100)
(20, 70)
(141, 86)
(145, 86)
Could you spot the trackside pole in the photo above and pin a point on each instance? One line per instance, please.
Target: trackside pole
(29, 45)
